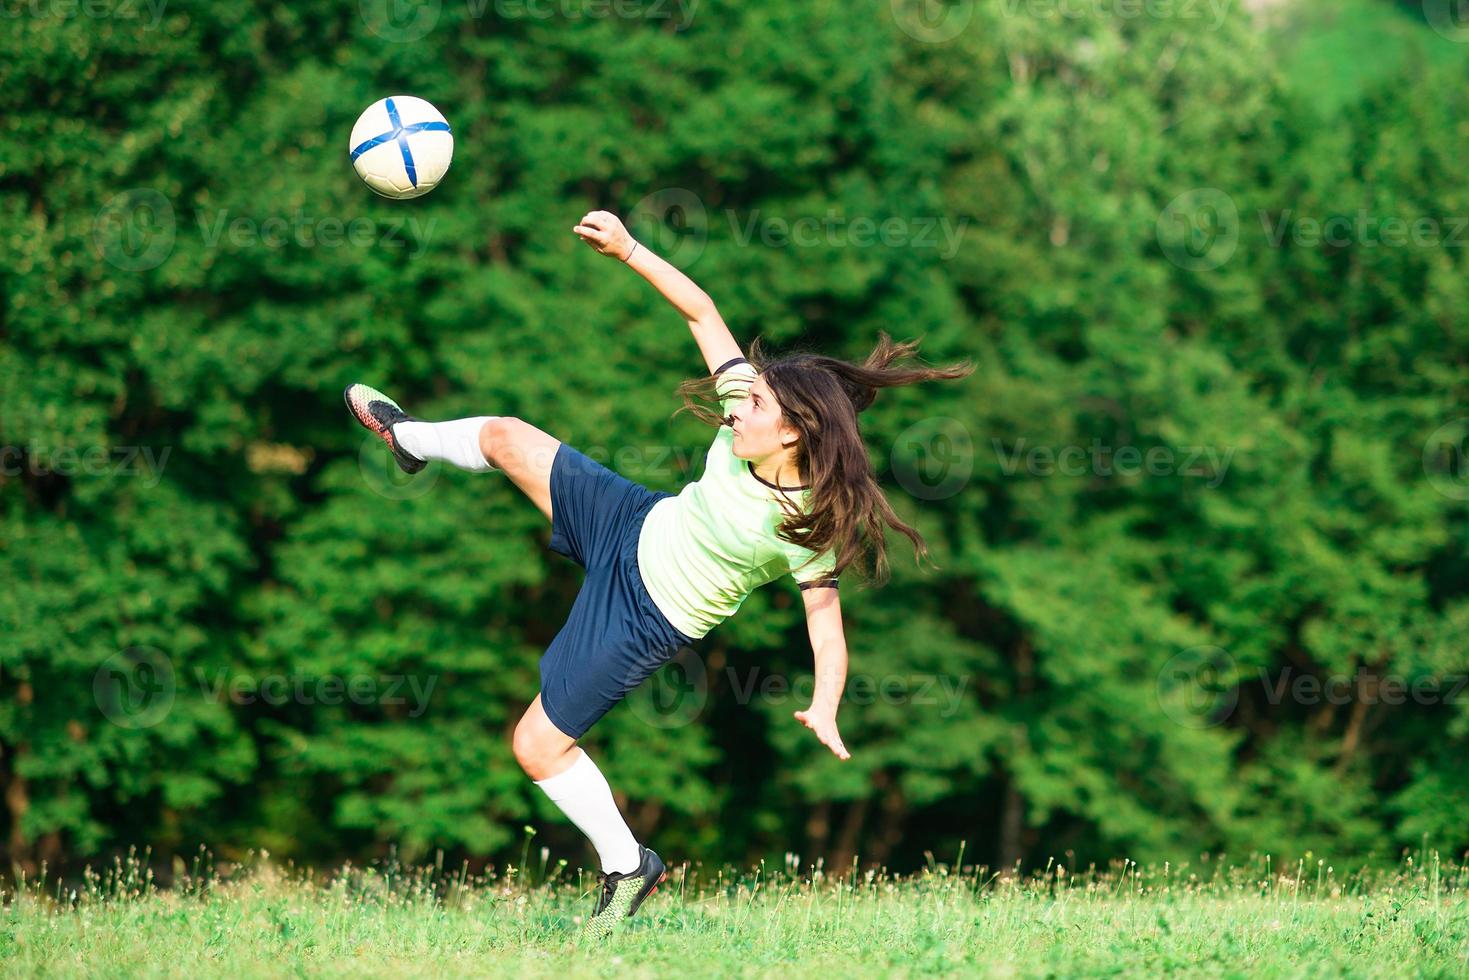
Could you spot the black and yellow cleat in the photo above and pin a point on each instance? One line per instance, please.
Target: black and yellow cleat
(623, 893)
(377, 413)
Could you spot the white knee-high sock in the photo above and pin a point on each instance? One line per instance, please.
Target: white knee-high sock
(455, 442)
(583, 795)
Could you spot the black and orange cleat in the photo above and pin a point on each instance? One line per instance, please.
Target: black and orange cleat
(623, 893)
(377, 413)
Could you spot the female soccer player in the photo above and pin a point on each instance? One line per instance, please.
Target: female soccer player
(787, 488)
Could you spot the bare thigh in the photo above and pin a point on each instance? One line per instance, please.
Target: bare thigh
(524, 453)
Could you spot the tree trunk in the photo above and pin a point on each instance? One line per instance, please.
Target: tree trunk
(818, 829)
(17, 804)
(1012, 826)
(840, 858)
(890, 829)
(1012, 807)
(1351, 738)
(647, 817)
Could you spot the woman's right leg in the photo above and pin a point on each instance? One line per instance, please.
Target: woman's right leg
(525, 453)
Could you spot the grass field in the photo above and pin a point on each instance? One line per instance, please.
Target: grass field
(1214, 919)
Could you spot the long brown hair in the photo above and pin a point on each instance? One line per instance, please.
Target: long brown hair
(820, 397)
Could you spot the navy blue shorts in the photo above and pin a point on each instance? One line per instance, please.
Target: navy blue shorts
(615, 636)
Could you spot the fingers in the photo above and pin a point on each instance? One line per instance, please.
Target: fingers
(598, 240)
(600, 220)
(604, 232)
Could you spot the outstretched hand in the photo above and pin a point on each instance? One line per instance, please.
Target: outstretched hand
(824, 723)
(605, 232)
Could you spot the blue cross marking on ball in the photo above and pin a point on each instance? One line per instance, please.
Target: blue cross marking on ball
(401, 133)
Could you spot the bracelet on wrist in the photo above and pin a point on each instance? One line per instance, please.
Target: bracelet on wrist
(631, 250)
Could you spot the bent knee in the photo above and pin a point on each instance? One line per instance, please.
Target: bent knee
(495, 435)
(531, 751)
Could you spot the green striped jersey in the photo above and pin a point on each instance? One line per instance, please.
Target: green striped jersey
(703, 551)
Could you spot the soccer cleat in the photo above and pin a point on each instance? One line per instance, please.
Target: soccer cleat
(623, 892)
(377, 413)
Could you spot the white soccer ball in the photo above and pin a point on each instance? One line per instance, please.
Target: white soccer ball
(401, 147)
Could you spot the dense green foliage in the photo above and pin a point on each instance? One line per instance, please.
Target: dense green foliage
(1202, 456)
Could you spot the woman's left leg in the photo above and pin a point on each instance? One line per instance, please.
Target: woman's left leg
(574, 783)
(587, 667)
(541, 748)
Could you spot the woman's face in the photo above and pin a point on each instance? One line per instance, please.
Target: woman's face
(759, 431)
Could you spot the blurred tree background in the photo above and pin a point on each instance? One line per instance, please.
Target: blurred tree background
(1208, 257)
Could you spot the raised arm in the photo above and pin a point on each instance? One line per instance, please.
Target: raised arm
(605, 232)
